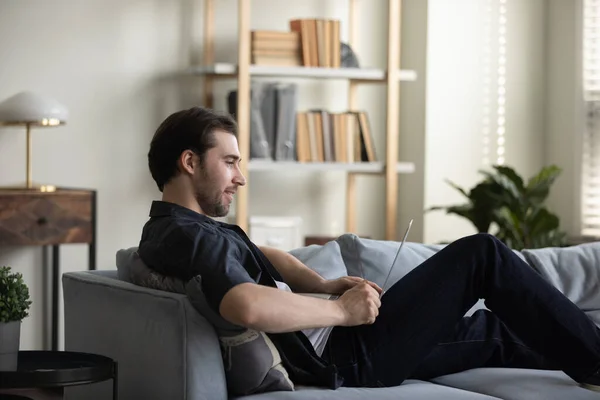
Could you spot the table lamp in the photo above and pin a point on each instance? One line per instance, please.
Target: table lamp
(32, 109)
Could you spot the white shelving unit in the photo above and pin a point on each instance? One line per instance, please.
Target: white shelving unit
(358, 167)
(391, 76)
(227, 70)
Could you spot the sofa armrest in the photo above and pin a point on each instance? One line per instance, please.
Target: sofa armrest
(163, 347)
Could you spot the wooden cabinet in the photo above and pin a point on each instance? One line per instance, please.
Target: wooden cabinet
(39, 219)
(34, 218)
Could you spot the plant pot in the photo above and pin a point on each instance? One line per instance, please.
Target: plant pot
(10, 334)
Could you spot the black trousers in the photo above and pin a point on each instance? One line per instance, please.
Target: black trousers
(421, 331)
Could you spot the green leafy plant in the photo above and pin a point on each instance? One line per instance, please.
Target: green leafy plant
(515, 208)
(14, 296)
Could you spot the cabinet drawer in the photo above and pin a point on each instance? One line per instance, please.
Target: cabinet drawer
(35, 218)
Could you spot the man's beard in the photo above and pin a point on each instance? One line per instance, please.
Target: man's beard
(211, 205)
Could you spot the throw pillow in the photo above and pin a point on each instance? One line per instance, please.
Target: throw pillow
(374, 258)
(125, 258)
(240, 347)
(327, 260)
(574, 271)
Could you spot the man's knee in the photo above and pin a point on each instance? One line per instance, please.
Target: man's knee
(479, 240)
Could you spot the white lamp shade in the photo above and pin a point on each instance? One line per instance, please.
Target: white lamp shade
(29, 107)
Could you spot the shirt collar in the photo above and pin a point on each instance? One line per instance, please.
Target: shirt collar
(165, 209)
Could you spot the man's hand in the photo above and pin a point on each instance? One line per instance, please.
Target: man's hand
(360, 304)
(341, 285)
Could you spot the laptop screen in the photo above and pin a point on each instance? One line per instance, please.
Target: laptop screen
(395, 258)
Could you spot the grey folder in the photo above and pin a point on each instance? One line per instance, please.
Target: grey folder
(272, 119)
(285, 142)
(263, 106)
(260, 144)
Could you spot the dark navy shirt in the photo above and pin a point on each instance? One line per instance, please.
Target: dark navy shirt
(182, 243)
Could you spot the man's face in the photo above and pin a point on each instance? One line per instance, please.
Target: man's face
(219, 177)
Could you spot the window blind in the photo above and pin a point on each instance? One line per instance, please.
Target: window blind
(590, 207)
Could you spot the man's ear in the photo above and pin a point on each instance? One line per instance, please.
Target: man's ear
(188, 161)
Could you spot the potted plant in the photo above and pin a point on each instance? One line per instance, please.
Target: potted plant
(14, 306)
(515, 208)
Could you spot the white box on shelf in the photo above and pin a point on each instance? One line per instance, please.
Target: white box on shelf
(283, 233)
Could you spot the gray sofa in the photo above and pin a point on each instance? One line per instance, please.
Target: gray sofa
(167, 350)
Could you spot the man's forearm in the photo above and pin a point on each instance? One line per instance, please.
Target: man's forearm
(297, 275)
(269, 310)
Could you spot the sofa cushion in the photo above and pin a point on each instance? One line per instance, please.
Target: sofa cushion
(518, 384)
(375, 257)
(574, 271)
(409, 390)
(141, 275)
(240, 347)
(327, 260)
(125, 258)
(351, 255)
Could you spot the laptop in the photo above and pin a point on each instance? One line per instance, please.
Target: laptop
(393, 262)
(396, 258)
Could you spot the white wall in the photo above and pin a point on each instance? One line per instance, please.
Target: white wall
(412, 118)
(117, 66)
(544, 103)
(564, 111)
(455, 77)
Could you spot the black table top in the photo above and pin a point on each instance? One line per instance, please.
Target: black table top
(57, 368)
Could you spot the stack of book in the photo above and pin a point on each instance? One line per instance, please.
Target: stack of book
(322, 136)
(276, 48)
(320, 41)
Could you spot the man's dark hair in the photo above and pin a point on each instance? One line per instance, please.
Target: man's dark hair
(191, 129)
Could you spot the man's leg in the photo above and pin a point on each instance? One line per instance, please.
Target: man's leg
(481, 340)
(424, 307)
(478, 341)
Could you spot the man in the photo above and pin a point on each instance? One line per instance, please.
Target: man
(416, 330)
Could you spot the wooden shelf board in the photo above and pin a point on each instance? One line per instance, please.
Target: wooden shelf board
(360, 167)
(361, 74)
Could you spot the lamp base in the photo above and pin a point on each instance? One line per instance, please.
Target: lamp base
(33, 188)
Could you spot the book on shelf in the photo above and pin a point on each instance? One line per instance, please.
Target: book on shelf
(319, 41)
(367, 144)
(277, 60)
(275, 36)
(311, 42)
(278, 132)
(275, 48)
(322, 136)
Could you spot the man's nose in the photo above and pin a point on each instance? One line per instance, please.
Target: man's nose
(239, 178)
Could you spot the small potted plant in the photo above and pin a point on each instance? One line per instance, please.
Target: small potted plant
(14, 306)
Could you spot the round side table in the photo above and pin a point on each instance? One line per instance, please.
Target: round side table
(49, 372)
